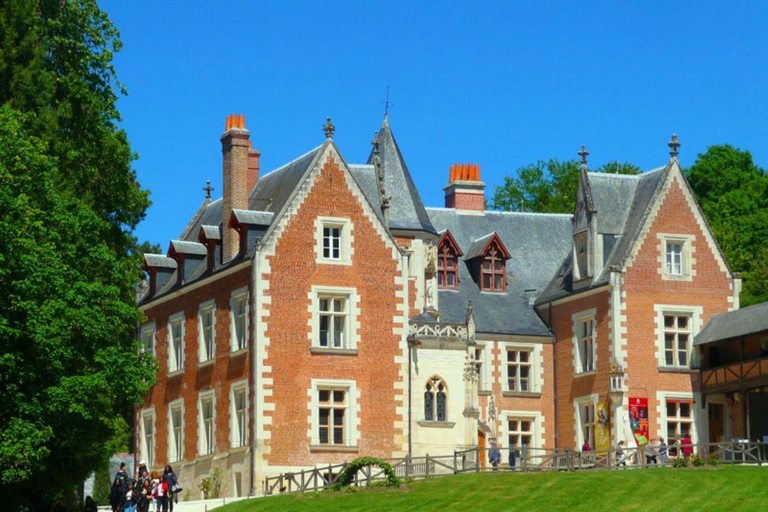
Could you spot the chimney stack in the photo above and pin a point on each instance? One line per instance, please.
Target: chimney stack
(235, 146)
(253, 166)
(465, 191)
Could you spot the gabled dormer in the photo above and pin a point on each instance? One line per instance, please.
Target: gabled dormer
(486, 259)
(586, 260)
(448, 254)
(188, 256)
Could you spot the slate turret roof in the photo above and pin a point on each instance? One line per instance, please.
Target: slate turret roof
(537, 243)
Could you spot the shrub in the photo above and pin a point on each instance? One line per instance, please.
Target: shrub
(697, 461)
(680, 462)
(348, 475)
(713, 460)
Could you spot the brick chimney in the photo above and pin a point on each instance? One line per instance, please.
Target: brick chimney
(235, 146)
(253, 166)
(465, 191)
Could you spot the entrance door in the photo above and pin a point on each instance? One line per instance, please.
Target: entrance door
(481, 444)
(716, 432)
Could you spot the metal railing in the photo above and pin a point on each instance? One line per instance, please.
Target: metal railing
(475, 460)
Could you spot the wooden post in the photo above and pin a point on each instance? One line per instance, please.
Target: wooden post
(524, 458)
(455, 462)
(426, 467)
(477, 459)
(408, 466)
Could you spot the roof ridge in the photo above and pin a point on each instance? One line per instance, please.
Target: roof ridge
(532, 214)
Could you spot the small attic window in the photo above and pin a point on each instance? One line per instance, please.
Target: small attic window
(448, 253)
(581, 255)
(493, 270)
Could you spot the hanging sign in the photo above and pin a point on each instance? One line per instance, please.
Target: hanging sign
(638, 419)
(603, 427)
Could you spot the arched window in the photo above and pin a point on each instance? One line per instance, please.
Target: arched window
(435, 400)
(448, 253)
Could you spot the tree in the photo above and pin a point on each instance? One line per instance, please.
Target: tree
(733, 194)
(547, 187)
(69, 264)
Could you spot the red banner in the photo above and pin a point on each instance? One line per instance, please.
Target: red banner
(638, 419)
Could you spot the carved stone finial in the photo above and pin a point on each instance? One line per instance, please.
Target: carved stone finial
(329, 128)
(470, 323)
(674, 144)
(583, 154)
(208, 189)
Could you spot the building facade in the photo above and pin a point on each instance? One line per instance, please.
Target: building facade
(321, 312)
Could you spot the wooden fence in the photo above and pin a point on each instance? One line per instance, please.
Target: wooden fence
(474, 460)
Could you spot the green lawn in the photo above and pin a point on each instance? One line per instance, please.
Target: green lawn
(732, 488)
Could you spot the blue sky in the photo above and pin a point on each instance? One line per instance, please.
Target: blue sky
(500, 84)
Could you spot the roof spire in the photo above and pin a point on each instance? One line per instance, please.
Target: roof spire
(329, 128)
(583, 154)
(387, 103)
(208, 189)
(673, 145)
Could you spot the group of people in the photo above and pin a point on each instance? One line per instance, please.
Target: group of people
(655, 453)
(147, 492)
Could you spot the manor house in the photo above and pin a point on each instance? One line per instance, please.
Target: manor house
(320, 312)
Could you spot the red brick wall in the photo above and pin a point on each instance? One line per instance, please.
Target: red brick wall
(217, 376)
(644, 286)
(465, 201)
(293, 272)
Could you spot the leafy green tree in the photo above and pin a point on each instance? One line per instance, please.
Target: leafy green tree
(547, 187)
(733, 194)
(69, 263)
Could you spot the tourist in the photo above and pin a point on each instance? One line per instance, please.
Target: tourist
(663, 451)
(122, 475)
(169, 479)
(650, 453)
(157, 491)
(90, 505)
(687, 446)
(495, 456)
(145, 496)
(116, 495)
(586, 447)
(512, 457)
(131, 497)
(142, 469)
(621, 457)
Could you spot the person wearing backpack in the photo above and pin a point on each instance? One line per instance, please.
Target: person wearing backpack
(169, 480)
(116, 495)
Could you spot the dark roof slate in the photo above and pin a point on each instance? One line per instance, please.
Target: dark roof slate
(253, 218)
(406, 210)
(159, 260)
(537, 244)
(742, 322)
(185, 247)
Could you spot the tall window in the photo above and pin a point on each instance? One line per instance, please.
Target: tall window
(582, 255)
(679, 420)
(587, 423)
(494, 273)
(176, 344)
(447, 267)
(332, 242)
(519, 370)
(332, 413)
(435, 398)
(148, 438)
(586, 347)
(207, 333)
(207, 427)
(239, 417)
(175, 434)
(675, 258)
(333, 321)
(519, 432)
(239, 311)
(148, 338)
(479, 351)
(677, 334)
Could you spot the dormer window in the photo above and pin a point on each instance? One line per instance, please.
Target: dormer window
(580, 247)
(494, 271)
(448, 253)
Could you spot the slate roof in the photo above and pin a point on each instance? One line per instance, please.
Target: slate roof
(733, 324)
(159, 260)
(406, 211)
(212, 232)
(185, 247)
(476, 248)
(253, 218)
(537, 244)
(622, 203)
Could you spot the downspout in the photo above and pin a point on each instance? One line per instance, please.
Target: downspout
(554, 372)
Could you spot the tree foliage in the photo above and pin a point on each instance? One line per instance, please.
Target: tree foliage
(547, 187)
(733, 194)
(69, 202)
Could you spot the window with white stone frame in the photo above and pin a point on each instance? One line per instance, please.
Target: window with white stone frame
(482, 367)
(206, 431)
(435, 400)
(148, 338)
(239, 415)
(581, 254)
(334, 318)
(520, 432)
(676, 256)
(176, 431)
(520, 370)
(176, 343)
(584, 341)
(206, 339)
(677, 340)
(239, 319)
(333, 238)
(148, 436)
(679, 419)
(585, 412)
(334, 414)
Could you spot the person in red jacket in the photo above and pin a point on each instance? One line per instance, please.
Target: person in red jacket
(686, 446)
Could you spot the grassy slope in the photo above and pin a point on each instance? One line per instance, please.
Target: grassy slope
(739, 488)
